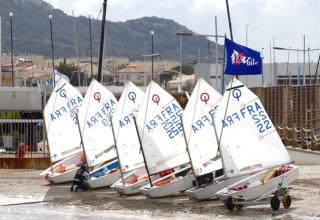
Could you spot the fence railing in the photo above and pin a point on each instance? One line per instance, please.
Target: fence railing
(22, 138)
(300, 137)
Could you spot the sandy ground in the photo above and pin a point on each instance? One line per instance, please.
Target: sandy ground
(26, 195)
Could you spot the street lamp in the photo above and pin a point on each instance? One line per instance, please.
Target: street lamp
(152, 33)
(12, 78)
(52, 52)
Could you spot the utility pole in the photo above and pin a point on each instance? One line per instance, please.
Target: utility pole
(274, 63)
(90, 32)
(289, 73)
(304, 60)
(12, 77)
(309, 65)
(0, 56)
(152, 33)
(76, 48)
(102, 39)
(271, 67)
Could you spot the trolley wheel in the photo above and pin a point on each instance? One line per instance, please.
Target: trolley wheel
(229, 203)
(286, 201)
(275, 203)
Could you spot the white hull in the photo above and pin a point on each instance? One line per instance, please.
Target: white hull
(71, 168)
(210, 190)
(62, 177)
(177, 185)
(256, 189)
(104, 181)
(107, 178)
(129, 189)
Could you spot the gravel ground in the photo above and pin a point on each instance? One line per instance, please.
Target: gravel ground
(26, 195)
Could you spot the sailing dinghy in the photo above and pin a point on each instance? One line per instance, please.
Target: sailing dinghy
(163, 144)
(96, 135)
(251, 145)
(62, 132)
(134, 174)
(202, 142)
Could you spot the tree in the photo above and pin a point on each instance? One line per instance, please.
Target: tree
(71, 71)
(186, 69)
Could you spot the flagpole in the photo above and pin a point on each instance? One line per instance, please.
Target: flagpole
(222, 72)
(229, 19)
(230, 25)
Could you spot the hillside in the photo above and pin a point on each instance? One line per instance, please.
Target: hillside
(129, 39)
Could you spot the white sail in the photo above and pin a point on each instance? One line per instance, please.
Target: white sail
(160, 130)
(249, 141)
(61, 122)
(94, 120)
(200, 134)
(127, 140)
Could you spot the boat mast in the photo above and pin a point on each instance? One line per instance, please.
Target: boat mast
(141, 148)
(116, 147)
(46, 139)
(81, 142)
(187, 149)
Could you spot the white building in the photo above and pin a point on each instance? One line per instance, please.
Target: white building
(273, 75)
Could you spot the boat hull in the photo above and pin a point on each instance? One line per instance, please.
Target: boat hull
(104, 181)
(103, 175)
(67, 176)
(177, 185)
(257, 189)
(210, 191)
(130, 189)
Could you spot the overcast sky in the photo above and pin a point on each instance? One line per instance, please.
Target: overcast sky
(284, 20)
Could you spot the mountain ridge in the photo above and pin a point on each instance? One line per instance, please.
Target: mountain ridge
(131, 38)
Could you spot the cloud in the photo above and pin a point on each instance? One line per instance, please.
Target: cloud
(284, 20)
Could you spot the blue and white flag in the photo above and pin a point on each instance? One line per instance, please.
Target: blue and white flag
(242, 60)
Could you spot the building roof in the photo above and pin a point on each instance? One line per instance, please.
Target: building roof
(35, 72)
(133, 68)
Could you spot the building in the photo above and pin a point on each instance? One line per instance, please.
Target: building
(273, 75)
(34, 75)
(137, 73)
(177, 83)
